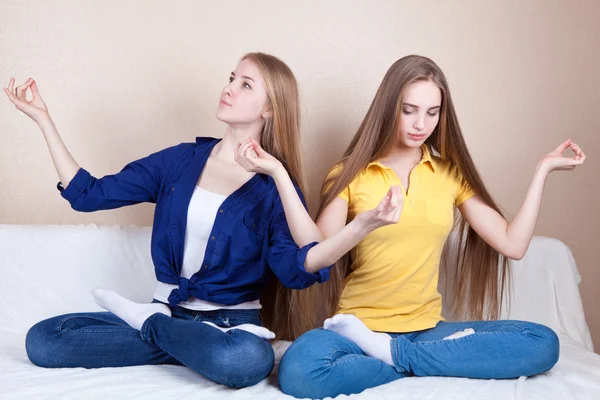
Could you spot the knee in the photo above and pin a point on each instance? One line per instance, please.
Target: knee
(246, 361)
(539, 352)
(38, 344)
(548, 349)
(303, 368)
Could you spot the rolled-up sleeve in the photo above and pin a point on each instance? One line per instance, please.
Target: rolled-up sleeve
(285, 258)
(138, 182)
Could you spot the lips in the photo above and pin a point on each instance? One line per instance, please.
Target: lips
(224, 103)
(416, 137)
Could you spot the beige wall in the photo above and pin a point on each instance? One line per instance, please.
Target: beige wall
(123, 79)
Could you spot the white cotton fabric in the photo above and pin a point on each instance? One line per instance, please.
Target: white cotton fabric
(50, 270)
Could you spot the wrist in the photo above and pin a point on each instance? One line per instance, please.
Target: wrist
(359, 225)
(43, 119)
(279, 173)
(542, 169)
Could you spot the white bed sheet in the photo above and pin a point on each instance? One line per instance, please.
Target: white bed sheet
(49, 270)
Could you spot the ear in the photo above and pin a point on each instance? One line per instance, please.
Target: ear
(267, 114)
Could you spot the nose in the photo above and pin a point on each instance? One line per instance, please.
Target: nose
(228, 90)
(419, 123)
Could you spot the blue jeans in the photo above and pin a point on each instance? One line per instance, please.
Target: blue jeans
(234, 358)
(323, 363)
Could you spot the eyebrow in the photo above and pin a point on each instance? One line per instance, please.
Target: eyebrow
(244, 76)
(414, 106)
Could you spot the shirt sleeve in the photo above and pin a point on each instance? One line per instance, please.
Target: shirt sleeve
(138, 182)
(335, 171)
(464, 191)
(285, 258)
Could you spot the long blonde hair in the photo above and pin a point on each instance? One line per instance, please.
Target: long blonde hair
(480, 268)
(281, 138)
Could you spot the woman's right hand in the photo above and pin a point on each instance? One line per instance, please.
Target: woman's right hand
(35, 108)
(386, 213)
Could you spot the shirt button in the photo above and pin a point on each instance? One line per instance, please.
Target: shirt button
(221, 210)
(205, 266)
(212, 238)
(172, 189)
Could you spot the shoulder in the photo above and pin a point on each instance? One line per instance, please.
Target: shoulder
(182, 150)
(446, 169)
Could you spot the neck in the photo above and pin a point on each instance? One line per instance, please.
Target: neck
(405, 154)
(225, 149)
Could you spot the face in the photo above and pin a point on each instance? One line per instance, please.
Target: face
(420, 113)
(244, 100)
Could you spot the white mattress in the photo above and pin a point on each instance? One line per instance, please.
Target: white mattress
(49, 270)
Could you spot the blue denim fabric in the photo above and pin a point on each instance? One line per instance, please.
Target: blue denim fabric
(322, 363)
(100, 339)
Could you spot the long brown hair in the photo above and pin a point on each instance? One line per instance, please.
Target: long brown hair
(281, 138)
(481, 271)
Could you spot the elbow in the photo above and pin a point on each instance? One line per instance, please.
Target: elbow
(81, 207)
(515, 254)
(296, 284)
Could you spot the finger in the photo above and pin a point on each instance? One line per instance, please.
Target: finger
(246, 143)
(572, 162)
(390, 194)
(13, 99)
(34, 90)
(8, 94)
(567, 168)
(244, 148)
(399, 195)
(21, 90)
(383, 203)
(563, 146)
(250, 161)
(236, 153)
(387, 211)
(576, 149)
(249, 153)
(396, 215)
(11, 85)
(257, 148)
(394, 200)
(393, 203)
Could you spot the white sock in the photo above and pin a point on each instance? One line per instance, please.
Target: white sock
(255, 329)
(133, 313)
(459, 334)
(373, 344)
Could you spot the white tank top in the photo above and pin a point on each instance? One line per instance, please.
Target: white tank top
(202, 212)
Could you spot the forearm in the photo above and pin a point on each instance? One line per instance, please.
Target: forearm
(520, 230)
(333, 248)
(65, 164)
(302, 227)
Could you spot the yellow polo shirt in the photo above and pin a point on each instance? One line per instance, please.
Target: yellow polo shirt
(393, 282)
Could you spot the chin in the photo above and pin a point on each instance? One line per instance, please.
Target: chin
(220, 116)
(413, 144)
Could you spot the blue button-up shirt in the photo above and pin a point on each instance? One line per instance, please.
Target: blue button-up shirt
(249, 239)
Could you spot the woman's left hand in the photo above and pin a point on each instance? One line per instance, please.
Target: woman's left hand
(253, 158)
(556, 161)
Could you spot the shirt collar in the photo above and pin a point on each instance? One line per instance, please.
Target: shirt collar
(425, 158)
